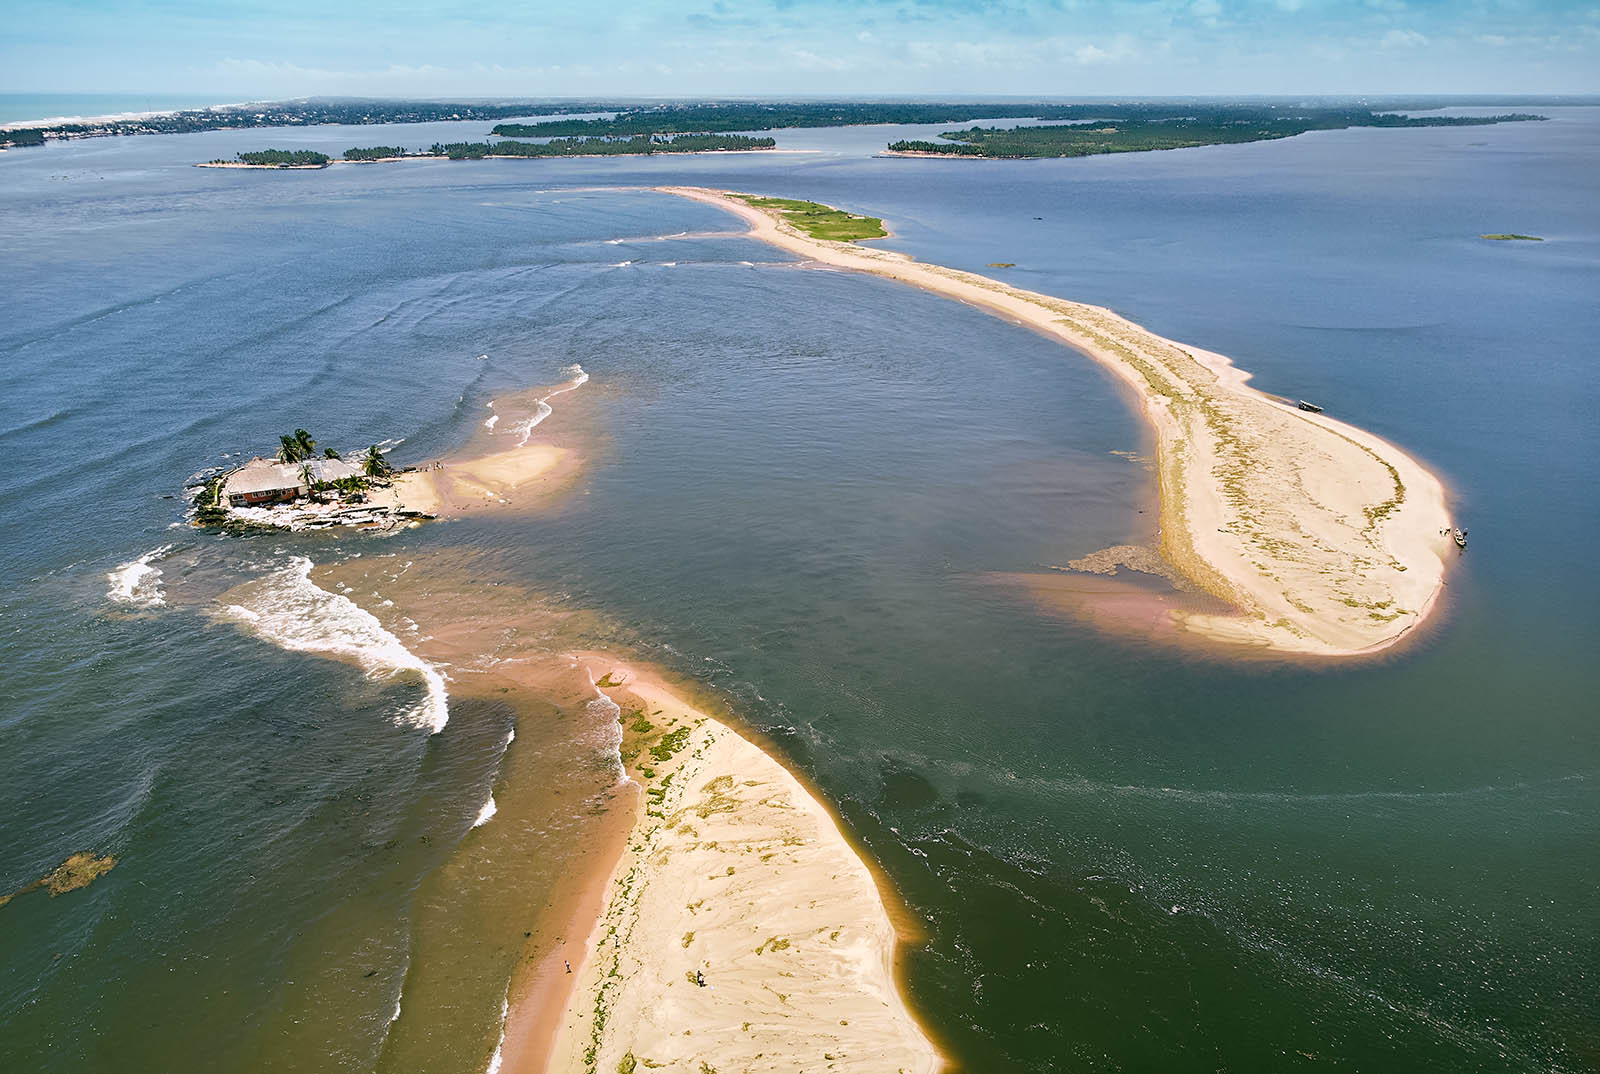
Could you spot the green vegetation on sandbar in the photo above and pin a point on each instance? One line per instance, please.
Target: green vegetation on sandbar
(377, 152)
(820, 221)
(78, 871)
(1002, 264)
(281, 158)
(1120, 129)
(1507, 237)
(639, 145)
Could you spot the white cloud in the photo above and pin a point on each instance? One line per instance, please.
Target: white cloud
(1402, 39)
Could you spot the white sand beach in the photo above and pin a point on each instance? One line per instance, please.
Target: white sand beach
(741, 931)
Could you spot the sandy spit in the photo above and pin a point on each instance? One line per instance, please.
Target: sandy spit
(1326, 539)
(741, 932)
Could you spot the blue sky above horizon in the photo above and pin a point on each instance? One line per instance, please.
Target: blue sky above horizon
(261, 49)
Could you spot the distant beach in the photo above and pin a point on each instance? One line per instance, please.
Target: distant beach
(1326, 539)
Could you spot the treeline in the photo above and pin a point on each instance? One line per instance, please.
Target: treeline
(746, 116)
(722, 117)
(281, 158)
(1110, 134)
(377, 152)
(294, 114)
(643, 144)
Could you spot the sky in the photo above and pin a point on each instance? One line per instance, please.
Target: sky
(266, 49)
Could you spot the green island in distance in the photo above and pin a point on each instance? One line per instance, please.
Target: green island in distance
(1507, 237)
(820, 221)
(1076, 129)
(640, 145)
(1143, 130)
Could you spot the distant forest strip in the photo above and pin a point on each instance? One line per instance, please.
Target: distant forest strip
(377, 152)
(1141, 135)
(714, 118)
(294, 114)
(711, 118)
(643, 144)
(281, 158)
(726, 117)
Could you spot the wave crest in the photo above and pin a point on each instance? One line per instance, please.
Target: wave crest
(289, 610)
(137, 583)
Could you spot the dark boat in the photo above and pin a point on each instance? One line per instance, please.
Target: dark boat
(1311, 407)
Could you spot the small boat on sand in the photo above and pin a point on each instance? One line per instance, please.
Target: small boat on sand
(1310, 407)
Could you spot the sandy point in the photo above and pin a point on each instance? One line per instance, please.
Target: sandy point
(741, 931)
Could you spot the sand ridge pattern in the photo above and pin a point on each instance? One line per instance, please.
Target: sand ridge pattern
(1325, 538)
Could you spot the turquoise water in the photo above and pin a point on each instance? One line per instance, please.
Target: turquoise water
(813, 489)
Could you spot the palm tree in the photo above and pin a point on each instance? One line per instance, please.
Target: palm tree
(373, 464)
(288, 449)
(308, 446)
(329, 453)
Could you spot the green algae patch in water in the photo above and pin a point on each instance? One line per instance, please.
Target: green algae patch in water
(1508, 237)
(78, 871)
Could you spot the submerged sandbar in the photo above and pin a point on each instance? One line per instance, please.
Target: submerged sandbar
(1327, 539)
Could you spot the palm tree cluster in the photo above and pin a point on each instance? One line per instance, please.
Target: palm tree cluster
(297, 447)
(373, 464)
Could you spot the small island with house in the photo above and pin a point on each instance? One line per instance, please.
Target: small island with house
(298, 489)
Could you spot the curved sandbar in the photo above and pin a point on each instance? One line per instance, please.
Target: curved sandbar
(741, 931)
(1324, 537)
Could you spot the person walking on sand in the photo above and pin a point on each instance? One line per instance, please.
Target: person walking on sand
(567, 964)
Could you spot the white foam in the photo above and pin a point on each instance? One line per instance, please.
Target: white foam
(494, 420)
(579, 379)
(489, 810)
(496, 1059)
(292, 612)
(526, 427)
(137, 583)
(607, 716)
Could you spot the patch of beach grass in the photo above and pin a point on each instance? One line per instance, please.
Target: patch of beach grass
(820, 221)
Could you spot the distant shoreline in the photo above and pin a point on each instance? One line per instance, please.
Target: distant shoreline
(241, 166)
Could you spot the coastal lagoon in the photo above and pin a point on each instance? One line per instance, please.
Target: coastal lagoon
(814, 493)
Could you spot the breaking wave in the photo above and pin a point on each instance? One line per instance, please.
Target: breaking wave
(292, 612)
(489, 810)
(544, 409)
(607, 716)
(497, 1058)
(137, 583)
